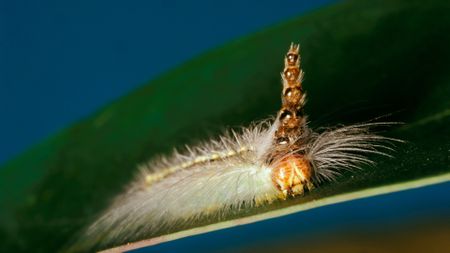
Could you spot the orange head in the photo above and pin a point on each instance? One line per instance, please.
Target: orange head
(292, 174)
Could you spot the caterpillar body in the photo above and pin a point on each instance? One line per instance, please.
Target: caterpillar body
(271, 160)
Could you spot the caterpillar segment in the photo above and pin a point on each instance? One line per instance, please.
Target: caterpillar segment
(292, 173)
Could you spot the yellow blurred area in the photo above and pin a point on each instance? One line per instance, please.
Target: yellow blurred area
(429, 237)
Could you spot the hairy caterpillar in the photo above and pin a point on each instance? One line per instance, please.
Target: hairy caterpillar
(272, 160)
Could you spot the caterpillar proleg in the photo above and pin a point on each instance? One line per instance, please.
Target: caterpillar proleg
(271, 160)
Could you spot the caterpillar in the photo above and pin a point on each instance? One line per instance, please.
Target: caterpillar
(269, 161)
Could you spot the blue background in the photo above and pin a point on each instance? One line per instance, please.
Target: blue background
(382, 214)
(62, 60)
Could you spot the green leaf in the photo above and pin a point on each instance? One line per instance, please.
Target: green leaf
(362, 59)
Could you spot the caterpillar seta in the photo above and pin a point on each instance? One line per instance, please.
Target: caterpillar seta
(271, 160)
